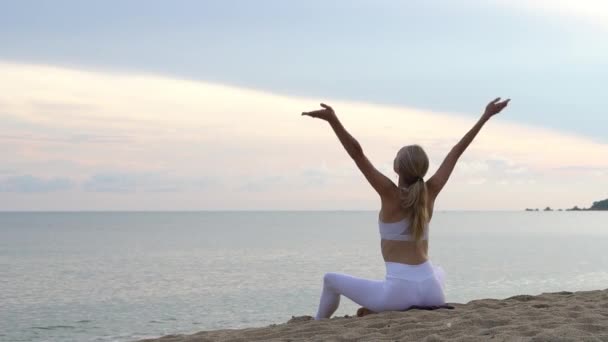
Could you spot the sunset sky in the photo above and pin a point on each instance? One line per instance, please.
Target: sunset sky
(195, 105)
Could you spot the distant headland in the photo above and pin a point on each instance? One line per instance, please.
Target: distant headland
(599, 205)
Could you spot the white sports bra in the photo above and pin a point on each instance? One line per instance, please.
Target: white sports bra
(399, 231)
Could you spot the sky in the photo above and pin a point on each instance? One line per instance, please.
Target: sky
(195, 105)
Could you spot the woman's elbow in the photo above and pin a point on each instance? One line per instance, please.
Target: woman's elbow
(356, 152)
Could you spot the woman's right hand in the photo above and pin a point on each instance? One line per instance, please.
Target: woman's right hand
(495, 107)
(327, 113)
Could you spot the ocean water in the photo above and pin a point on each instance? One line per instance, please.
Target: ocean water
(124, 276)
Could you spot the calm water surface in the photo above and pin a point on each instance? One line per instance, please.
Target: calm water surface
(124, 276)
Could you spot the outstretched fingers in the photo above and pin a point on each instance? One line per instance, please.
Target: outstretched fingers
(326, 106)
(496, 106)
(324, 113)
(504, 103)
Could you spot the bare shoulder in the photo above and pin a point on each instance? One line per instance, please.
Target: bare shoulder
(391, 205)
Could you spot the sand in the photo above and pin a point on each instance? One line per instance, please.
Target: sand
(561, 316)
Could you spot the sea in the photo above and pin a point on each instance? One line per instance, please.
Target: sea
(124, 276)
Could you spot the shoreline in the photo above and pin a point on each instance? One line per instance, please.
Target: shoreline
(563, 316)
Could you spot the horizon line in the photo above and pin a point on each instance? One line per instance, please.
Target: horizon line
(264, 210)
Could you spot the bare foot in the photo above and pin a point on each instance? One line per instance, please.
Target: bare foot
(364, 312)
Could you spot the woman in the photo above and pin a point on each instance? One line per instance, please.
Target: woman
(406, 210)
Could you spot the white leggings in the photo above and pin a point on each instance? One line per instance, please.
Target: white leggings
(404, 286)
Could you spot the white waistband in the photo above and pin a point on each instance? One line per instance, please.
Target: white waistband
(410, 272)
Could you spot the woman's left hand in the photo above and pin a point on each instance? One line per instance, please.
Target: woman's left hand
(495, 107)
(327, 113)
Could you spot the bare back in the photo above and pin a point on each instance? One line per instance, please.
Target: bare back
(405, 252)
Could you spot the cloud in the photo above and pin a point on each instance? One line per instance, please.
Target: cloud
(591, 11)
(493, 170)
(262, 184)
(32, 184)
(580, 168)
(315, 177)
(477, 181)
(473, 167)
(72, 138)
(230, 148)
(298, 180)
(111, 183)
(573, 170)
(143, 182)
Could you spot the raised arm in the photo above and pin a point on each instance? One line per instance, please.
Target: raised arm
(440, 178)
(382, 184)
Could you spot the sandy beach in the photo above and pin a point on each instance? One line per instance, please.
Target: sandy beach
(561, 316)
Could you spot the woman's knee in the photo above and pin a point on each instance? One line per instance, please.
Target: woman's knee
(330, 278)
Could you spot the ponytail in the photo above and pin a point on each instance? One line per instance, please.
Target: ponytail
(414, 199)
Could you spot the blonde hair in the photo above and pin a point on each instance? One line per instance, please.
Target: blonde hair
(411, 164)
